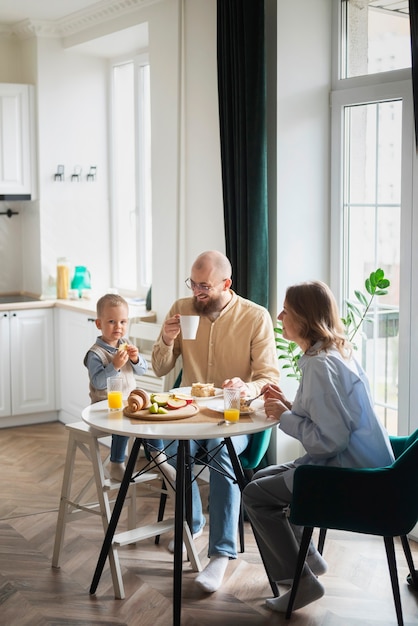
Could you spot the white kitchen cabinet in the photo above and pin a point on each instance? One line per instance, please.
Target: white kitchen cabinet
(16, 140)
(76, 333)
(27, 363)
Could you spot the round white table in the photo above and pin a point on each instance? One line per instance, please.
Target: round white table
(204, 425)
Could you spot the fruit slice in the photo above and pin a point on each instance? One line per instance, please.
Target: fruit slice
(162, 410)
(183, 396)
(176, 403)
(161, 398)
(122, 347)
(154, 408)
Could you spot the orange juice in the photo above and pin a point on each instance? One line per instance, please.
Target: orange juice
(231, 415)
(114, 400)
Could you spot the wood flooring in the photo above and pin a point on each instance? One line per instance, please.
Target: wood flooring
(32, 593)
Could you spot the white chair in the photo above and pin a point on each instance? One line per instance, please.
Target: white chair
(74, 506)
(144, 335)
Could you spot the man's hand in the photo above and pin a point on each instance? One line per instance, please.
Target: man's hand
(236, 383)
(171, 329)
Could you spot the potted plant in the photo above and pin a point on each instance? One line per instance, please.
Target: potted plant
(376, 285)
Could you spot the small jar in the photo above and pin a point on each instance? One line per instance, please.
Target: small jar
(63, 278)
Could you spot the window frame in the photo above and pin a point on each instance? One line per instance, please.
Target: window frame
(394, 85)
(143, 237)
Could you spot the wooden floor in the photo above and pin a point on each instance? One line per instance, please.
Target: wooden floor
(33, 593)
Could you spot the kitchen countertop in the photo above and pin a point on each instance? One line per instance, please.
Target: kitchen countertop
(82, 306)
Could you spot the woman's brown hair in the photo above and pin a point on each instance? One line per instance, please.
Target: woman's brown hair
(316, 311)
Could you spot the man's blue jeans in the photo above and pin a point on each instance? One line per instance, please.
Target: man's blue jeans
(224, 495)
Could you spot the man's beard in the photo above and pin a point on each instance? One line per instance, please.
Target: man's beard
(206, 307)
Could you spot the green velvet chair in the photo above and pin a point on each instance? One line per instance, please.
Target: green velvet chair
(379, 501)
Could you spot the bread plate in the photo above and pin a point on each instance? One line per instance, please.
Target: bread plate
(187, 391)
(173, 414)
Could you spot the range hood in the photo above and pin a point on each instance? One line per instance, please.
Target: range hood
(9, 197)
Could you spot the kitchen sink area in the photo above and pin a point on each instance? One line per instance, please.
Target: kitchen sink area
(15, 298)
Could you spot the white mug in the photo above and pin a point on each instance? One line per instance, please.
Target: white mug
(189, 325)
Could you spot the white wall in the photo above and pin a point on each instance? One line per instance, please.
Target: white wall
(303, 140)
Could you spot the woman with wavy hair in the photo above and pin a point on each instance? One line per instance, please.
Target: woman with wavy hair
(332, 416)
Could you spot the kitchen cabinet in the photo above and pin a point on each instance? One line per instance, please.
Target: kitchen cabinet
(76, 333)
(16, 140)
(27, 363)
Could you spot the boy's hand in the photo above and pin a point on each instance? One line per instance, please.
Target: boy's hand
(132, 352)
(121, 357)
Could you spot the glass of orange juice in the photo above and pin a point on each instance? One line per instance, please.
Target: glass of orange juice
(232, 401)
(114, 393)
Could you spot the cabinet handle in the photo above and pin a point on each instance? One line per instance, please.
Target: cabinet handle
(91, 319)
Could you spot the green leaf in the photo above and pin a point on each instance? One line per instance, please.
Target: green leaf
(361, 298)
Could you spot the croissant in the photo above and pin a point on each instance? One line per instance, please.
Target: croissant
(138, 399)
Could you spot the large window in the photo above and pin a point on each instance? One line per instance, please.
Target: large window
(372, 190)
(374, 37)
(131, 182)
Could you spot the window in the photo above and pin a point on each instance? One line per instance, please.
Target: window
(372, 193)
(371, 219)
(374, 38)
(131, 219)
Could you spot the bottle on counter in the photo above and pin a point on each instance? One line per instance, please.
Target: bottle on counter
(63, 278)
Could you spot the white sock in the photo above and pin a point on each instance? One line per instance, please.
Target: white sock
(116, 471)
(212, 576)
(309, 590)
(317, 565)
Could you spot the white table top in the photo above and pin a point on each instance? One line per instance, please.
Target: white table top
(202, 426)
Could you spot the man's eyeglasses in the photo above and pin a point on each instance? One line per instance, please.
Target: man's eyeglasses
(200, 286)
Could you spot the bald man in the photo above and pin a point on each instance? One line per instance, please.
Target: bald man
(234, 347)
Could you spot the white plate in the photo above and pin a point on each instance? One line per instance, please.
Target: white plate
(188, 392)
(218, 406)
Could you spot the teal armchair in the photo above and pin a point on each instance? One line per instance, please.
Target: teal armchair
(379, 501)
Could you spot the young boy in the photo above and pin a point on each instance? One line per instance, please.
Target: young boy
(105, 359)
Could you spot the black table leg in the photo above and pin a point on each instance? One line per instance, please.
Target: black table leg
(117, 509)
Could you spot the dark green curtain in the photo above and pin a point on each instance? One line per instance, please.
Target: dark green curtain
(413, 21)
(242, 113)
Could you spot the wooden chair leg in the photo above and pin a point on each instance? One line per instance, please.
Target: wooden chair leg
(390, 553)
(412, 578)
(303, 551)
(161, 508)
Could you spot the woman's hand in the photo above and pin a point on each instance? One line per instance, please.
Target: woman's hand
(274, 408)
(275, 402)
(275, 393)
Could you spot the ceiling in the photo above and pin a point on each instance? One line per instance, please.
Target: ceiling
(12, 11)
(59, 12)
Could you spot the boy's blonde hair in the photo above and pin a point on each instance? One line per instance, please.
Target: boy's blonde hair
(109, 299)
